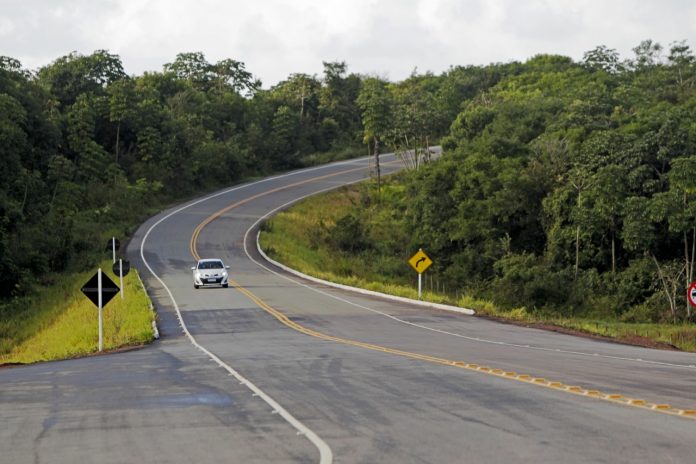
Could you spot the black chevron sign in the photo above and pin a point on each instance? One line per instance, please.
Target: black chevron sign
(91, 289)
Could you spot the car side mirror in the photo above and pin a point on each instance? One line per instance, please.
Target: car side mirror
(193, 268)
(227, 267)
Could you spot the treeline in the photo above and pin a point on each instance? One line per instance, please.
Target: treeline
(565, 187)
(86, 150)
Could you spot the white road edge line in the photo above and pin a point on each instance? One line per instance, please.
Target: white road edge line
(325, 453)
(416, 302)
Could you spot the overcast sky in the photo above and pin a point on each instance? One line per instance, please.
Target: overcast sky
(389, 38)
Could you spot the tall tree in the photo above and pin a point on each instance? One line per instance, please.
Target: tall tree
(376, 106)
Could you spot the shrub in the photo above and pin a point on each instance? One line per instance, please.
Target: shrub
(349, 235)
(524, 280)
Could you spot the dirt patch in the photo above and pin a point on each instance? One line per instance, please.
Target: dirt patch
(121, 349)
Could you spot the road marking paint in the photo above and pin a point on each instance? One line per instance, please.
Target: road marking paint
(413, 324)
(325, 453)
(219, 213)
(284, 319)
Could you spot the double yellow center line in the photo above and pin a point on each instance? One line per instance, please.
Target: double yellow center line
(529, 379)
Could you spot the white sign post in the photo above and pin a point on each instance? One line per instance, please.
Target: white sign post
(120, 275)
(420, 262)
(99, 290)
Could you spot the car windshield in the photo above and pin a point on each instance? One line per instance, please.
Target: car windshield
(210, 265)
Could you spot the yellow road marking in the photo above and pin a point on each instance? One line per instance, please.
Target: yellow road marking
(208, 220)
(529, 379)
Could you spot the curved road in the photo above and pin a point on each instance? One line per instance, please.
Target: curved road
(280, 369)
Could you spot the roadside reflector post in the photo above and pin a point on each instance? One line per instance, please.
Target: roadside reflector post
(121, 269)
(114, 245)
(120, 275)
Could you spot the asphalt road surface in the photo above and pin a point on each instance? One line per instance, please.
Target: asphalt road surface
(282, 370)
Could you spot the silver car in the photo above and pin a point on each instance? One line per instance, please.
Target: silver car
(208, 272)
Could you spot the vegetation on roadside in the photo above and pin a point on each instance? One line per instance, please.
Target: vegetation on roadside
(347, 237)
(566, 188)
(59, 322)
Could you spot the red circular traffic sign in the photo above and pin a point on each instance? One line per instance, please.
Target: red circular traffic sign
(691, 294)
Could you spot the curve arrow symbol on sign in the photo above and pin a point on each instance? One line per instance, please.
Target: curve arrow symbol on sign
(420, 261)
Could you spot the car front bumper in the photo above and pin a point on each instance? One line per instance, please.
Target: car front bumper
(210, 281)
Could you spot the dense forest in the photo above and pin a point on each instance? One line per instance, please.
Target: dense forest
(87, 151)
(564, 186)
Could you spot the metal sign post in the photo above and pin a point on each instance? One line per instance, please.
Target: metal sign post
(121, 270)
(114, 245)
(120, 275)
(99, 292)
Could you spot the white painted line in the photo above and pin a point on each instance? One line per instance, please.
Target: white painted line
(325, 453)
(390, 316)
(363, 291)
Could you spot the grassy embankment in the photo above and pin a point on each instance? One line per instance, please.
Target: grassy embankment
(59, 322)
(298, 238)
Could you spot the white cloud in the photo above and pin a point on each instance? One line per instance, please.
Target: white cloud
(388, 37)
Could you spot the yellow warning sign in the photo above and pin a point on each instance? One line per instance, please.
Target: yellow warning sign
(420, 261)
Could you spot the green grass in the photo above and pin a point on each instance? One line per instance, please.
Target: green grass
(297, 238)
(59, 322)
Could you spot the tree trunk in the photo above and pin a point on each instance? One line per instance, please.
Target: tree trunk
(577, 252)
(427, 148)
(688, 269)
(118, 139)
(379, 180)
(670, 298)
(693, 252)
(411, 159)
(613, 254)
(24, 199)
(53, 197)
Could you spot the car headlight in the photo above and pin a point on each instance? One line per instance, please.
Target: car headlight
(224, 273)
